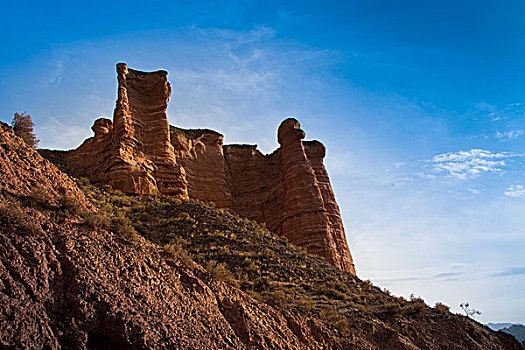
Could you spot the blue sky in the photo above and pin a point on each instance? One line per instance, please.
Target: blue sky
(420, 104)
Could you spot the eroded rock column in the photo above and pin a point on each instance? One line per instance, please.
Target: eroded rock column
(147, 162)
(306, 220)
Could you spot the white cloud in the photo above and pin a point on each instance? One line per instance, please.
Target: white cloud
(516, 191)
(468, 164)
(510, 135)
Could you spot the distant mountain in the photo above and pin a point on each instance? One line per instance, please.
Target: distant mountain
(517, 330)
(498, 326)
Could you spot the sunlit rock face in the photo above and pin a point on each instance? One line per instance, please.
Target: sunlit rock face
(140, 153)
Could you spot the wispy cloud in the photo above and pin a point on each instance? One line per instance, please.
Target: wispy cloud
(510, 111)
(449, 275)
(468, 164)
(426, 275)
(58, 134)
(467, 194)
(516, 191)
(509, 135)
(248, 37)
(513, 271)
(56, 72)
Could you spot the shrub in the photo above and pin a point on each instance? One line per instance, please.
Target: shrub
(442, 308)
(83, 182)
(337, 320)
(278, 298)
(393, 310)
(416, 304)
(331, 290)
(69, 205)
(13, 215)
(305, 303)
(262, 284)
(219, 271)
(415, 299)
(177, 252)
(123, 227)
(38, 197)
(97, 220)
(357, 307)
(23, 128)
(254, 294)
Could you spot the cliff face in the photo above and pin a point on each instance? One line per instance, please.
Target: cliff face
(289, 190)
(140, 153)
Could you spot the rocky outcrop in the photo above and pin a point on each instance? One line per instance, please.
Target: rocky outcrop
(140, 153)
(289, 190)
(133, 153)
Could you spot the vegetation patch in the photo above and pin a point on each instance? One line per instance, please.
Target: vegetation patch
(13, 216)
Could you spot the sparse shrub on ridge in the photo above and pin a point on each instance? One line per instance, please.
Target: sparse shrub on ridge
(442, 308)
(240, 252)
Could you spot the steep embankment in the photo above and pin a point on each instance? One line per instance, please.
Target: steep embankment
(73, 276)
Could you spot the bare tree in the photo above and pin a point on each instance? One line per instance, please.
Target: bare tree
(23, 127)
(468, 310)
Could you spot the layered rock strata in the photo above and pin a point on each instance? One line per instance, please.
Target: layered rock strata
(140, 153)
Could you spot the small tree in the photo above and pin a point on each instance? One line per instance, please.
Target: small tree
(468, 311)
(23, 127)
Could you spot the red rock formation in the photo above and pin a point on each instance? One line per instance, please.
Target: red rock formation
(140, 153)
(134, 153)
(200, 153)
(311, 216)
(289, 190)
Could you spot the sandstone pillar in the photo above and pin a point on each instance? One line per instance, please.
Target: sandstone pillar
(306, 220)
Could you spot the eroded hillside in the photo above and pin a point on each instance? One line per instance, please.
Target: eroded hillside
(95, 268)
